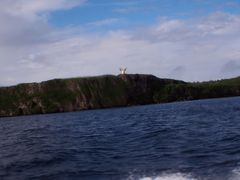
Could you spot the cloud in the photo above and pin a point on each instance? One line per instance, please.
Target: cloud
(231, 68)
(32, 8)
(25, 22)
(31, 49)
(105, 22)
(134, 9)
(177, 72)
(24, 29)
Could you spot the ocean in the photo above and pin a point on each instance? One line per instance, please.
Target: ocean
(191, 140)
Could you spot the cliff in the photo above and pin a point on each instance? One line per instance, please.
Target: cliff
(65, 95)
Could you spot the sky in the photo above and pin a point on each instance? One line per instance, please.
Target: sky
(190, 40)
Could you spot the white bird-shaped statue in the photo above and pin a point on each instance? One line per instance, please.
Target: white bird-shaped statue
(123, 70)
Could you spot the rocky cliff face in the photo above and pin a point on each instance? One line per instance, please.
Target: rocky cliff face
(142, 89)
(64, 95)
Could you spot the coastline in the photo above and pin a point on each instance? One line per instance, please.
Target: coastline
(108, 91)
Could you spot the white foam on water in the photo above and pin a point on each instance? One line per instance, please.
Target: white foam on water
(232, 175)
(235, 174)
(175, 176)
(168, 177)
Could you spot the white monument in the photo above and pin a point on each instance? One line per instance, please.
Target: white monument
(123, 70)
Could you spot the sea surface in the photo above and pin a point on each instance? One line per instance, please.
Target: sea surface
(192, 140)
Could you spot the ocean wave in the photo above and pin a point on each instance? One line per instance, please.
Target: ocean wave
(166, 176)
(235, 174)
(232, 175)
(176, 176)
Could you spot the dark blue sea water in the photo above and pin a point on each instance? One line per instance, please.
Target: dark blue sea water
(176, 141)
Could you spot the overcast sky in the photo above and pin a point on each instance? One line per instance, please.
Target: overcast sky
(191, 40)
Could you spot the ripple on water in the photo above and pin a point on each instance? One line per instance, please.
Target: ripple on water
(197, 140)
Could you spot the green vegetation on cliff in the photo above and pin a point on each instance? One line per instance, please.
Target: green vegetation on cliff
(64, 95)
(203, 90)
